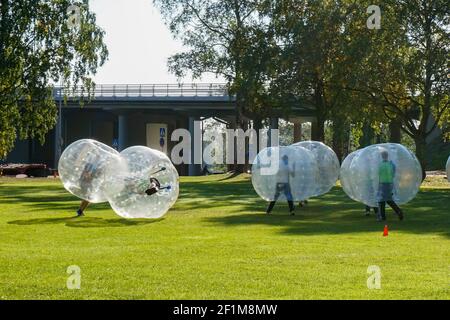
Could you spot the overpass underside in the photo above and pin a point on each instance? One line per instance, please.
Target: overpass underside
(124, 116)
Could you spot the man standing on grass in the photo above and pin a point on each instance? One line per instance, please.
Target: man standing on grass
(386, 175)
(285, 171)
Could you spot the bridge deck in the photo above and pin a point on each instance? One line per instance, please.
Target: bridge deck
(149, 91)
(198, 97)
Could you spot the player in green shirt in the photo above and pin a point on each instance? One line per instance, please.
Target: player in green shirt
(386, 175)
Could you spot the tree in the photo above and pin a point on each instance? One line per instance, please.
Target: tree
(408, 68)
(216, 34)
(42, 42)
(312, 65)
(227, 38)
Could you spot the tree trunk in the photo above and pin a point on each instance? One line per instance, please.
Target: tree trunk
(232, 166)
(341, 136)
(395, 134)
(244, 168)
(318, 133)
(297, 132)
(240, 124)
(338, 147)
(257, 125)
(318, 130)
(367, 137)
(421, 152)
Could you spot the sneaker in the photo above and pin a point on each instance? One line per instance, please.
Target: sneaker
(400, 215)
(80, 213)
(292, 213)
(151, 191)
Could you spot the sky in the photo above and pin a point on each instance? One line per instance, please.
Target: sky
(138, 42)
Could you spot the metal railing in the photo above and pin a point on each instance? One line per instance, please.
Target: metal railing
(149, 90)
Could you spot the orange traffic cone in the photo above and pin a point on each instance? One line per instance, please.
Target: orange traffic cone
(385, 231)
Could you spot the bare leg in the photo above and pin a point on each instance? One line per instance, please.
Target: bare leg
(83, 205)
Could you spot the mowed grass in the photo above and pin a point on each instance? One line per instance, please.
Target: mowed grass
(217, 243)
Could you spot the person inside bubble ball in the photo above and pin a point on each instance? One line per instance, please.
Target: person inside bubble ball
(154, 187)
(285, 171)
(90, 171)
(386, 174)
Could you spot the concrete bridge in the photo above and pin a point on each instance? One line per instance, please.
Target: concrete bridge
(122, 115)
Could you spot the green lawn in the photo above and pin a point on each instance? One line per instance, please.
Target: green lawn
(217, 243)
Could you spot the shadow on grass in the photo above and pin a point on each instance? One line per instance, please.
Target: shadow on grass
(230, 176)
(85, 222)
(333, 213)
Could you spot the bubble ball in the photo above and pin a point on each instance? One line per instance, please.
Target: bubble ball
(276, 168)
(328, 165)
(84, 166)
(345, 174)
(149, 184)
(363, 174)
(448, 169)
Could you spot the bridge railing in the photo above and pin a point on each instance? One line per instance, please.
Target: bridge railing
(151, 90)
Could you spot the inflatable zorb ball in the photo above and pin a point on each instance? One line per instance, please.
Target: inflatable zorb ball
(145, 170)
(85, 165)
(345, 174)
(276, 168)
(448, 169)
(327, 163)
(363, 174)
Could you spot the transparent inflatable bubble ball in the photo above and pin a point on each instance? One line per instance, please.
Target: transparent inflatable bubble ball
(448, 169)
(149, 184)
(383, 172)
(345, 174)
(328, 165)
(284, 173)
(84, 167)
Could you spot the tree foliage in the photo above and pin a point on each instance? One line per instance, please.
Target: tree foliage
(406, 68)
(229, 38)
(39, 47)
(322, 55)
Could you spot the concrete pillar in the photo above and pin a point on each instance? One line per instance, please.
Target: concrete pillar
(123, 131)
(195, 167)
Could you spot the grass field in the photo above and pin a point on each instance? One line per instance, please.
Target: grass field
(217, 243)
